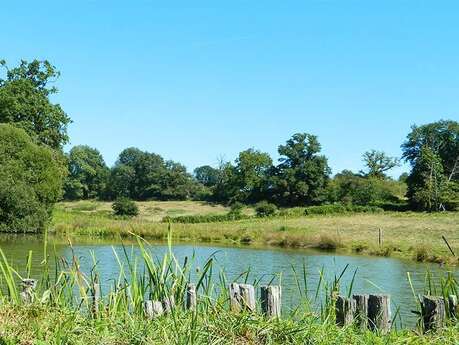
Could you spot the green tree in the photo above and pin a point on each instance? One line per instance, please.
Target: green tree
(302, 175)
(206, 175)
(251, 175)
(31, 178)
(378, 163)
(88, 174)
(433, 152)
(24, 102)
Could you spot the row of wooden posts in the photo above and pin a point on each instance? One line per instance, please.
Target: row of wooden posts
(370, 311)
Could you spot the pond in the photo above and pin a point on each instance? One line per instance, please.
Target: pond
(372, 274)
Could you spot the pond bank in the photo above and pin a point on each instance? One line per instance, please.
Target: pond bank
(415, 236)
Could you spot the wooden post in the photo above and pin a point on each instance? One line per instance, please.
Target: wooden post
(95, 297)
(168, 304)
(452, 306)
(247, 293)
(361, 310)
(234, 297)
(271, 299)
(28, 288)
(191, 297)
(380, 238)
(242, 297)
(345, 308)
(379, 315)
(153, 309)
(433, 312)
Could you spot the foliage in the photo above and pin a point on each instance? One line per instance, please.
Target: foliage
(302, 175)
(143, 175)
(25, 102)
(206, 175)
(125, 207)
(341, 209)
(265, 209)
(236, 208)
(88, 174)
(433, 152)
(427, 183)
(205, 218)
(30, 181)
(378, 163)
(349, 188)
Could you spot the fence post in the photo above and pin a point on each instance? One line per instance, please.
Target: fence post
(345, 308)
(452, 306)
(153, 309)
(168, 304)
(28, 288)
(361, 310)
(433, 312)
(379, 315)
(191, 297)
(242, 297)
(271, 299)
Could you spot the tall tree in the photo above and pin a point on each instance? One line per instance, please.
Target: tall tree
(302, 175)
(378, 163)
(206, 175)
(433, 152)
(251, 175)
(88, 174)
(24, 102)
(30, 181)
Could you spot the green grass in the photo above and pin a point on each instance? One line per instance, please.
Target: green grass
(61, 311)
(404, 234)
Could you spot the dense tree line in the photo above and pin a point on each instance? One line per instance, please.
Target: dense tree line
(35, 173)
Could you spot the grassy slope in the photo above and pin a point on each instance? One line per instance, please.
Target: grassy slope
(404, 234)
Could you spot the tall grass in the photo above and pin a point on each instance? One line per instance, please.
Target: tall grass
(65, 297)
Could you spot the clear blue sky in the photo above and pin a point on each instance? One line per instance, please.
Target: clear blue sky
(196, 80)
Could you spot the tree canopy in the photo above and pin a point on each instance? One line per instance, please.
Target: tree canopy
(88, 174)
(30, 181)
(24, 102)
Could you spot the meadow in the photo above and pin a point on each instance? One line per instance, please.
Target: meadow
(417, 236)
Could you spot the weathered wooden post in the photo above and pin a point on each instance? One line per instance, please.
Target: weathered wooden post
(271, 299)
(242, 297)
(168, 304)
(28, 288)
(379, 314)
(153, 309)
(361, 310)
(191, 297)
(344, 308)
(452, 306)
(433, 312)
(95, 297)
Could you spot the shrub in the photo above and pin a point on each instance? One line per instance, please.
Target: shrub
(265, 209)
(236, 208)
(292, 212)
(207, 218)
(125, 207)
(31, 178)
(327, 242)
(341, 209)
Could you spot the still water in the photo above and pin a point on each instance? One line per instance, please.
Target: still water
(372, 274)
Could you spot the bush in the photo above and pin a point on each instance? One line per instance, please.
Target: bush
(125, 207)
(31, 178)
(236, 208)
(341, 209)
(265, 209)
(207, 218)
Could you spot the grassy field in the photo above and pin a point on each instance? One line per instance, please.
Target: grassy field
(409, 235)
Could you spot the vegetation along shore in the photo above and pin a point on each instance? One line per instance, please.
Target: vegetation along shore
(411, 235)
